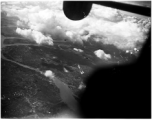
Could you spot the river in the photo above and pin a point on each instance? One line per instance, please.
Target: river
(66, 93)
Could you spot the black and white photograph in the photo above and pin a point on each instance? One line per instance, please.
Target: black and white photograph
(75, 59)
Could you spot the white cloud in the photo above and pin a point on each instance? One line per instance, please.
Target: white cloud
(48, 18)
(102, 55)
(81, 86)
(78, 50)
(105, 12)
(35, 35)
(65, 70)
(49, 73)
(69, 34)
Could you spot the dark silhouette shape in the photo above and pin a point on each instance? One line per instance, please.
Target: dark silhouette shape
(120, 91)
(76, 10)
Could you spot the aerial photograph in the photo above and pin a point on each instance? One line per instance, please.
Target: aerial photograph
(75, 59)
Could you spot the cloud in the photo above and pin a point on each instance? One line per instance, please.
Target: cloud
(78, 50)
(102, 55)
(49, 73)
(35, 35)
(103, 24)
(106, 13)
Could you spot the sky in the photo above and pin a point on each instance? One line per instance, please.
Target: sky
(45, 22)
